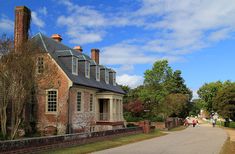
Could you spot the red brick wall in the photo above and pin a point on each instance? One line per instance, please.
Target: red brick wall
(22, 24)
(36, 145)
(53, 78)
(95, 55)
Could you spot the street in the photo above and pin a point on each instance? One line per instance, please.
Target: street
(203, 139)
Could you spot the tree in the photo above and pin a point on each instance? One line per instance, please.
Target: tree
(4, 99)
(208, 92)
(175, 105)
(5, 46)
(224, 101)
(134, 111)
(176, 84)
(160, 84)
(154, 90)
(195, 106)
(19, 74)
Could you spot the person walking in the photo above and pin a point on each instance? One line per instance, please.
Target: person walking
(213, 122)
(194, 122)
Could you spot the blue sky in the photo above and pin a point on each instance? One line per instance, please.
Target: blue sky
(197, 37)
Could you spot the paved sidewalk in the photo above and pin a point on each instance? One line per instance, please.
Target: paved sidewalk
(203, 139)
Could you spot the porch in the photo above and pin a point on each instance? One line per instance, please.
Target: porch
(109, 109)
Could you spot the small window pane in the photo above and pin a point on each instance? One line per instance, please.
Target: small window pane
(97, 73)
(79, 100)
(74, 66)
(87, 69)
(52, 101)
(40, 65)
(91, 102)
(106, 76)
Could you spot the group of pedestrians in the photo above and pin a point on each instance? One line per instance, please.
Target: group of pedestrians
(191, 120)
(194, 121)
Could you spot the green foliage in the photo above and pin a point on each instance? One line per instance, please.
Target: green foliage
(224, 102)
(208, 92)
(163, 94)
(195, 106)
(164, 89)
(175, 105)
(220, 97)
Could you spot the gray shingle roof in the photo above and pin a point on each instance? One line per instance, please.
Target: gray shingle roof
(57, 49)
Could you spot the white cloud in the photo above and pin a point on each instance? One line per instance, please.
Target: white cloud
(43, 11)
(125, 54)
(6, 25)
(83, 24)
(177, 28)
(130, 80)
(188, 25)
(36, 20)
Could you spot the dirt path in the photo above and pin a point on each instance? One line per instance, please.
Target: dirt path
(199, 140)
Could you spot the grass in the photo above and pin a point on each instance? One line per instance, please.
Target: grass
(228, 147)
(97, 146)
(178, 128)
(231, 124)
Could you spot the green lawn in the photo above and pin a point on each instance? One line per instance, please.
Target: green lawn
(231, 124)
(87, 148)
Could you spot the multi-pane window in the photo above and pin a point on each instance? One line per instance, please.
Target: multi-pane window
(114, 79)
(52, 100)
(97, 73)
(106, 76)
(74, 66)
(79, 101)
(91, 102)
(40, 65)
(87, 69)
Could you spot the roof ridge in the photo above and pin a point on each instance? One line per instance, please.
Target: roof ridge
(44, 45)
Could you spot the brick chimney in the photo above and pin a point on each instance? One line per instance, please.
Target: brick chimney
(95, 55)
(22, 25)
(56, 37)
(78, 48)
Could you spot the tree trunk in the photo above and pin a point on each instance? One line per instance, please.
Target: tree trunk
(3, 122)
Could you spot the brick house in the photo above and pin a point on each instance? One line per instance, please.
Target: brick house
(75, 93)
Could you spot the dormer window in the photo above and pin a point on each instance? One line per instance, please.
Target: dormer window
(106, 76)
(97, 73)
(114, 79)
(87, 69)
(74, 66)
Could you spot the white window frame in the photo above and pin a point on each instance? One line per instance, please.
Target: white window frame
(38, 65)
(114, 78)
(97, 73)
(74, 72)
(87, 69)
(106, 76)
(52, 112)
(81, 104)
